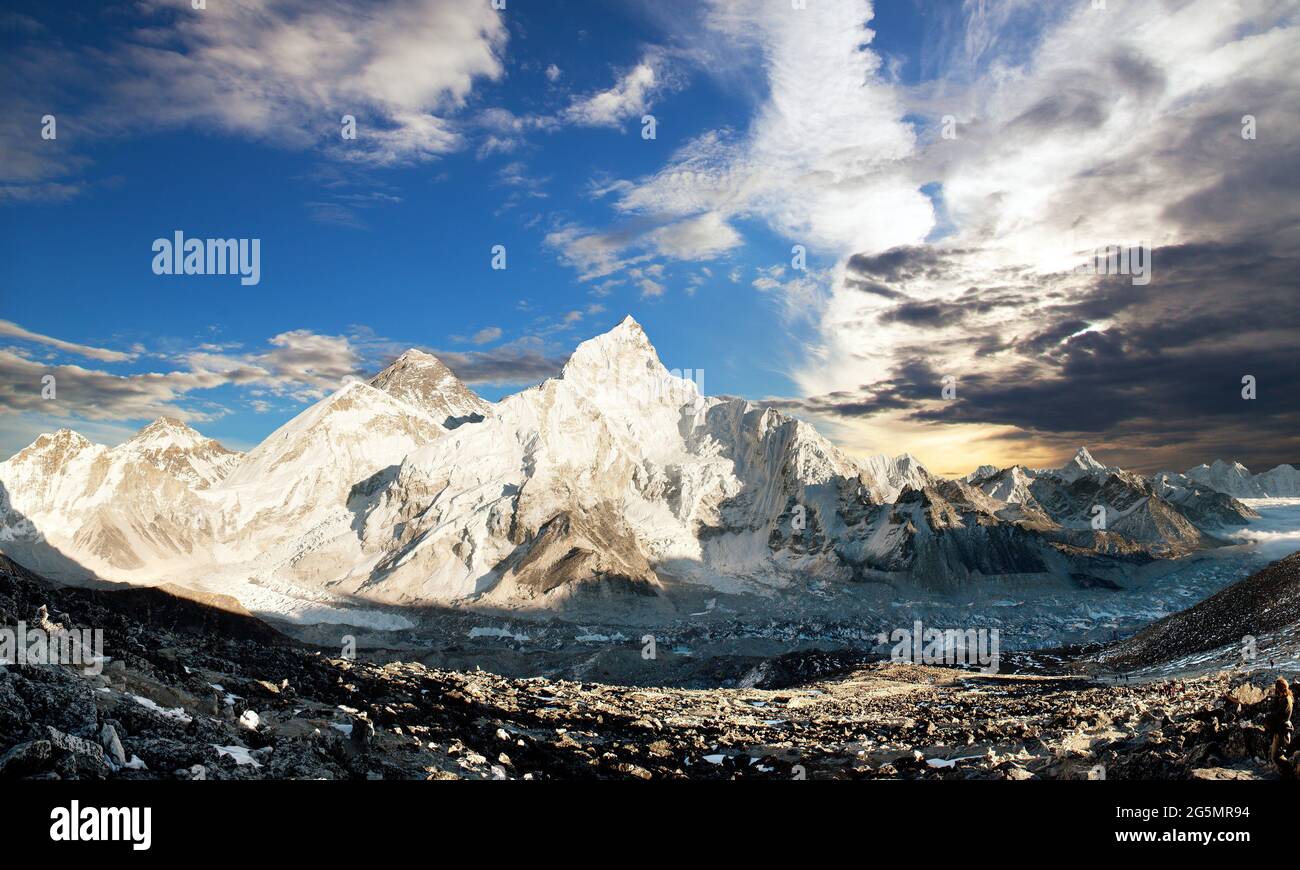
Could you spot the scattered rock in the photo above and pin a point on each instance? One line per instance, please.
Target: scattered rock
(112, 745)
(25, 758)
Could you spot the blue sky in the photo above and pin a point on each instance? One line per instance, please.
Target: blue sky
(402, 250)
(522, 128)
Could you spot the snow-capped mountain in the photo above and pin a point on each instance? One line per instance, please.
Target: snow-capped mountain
(1087, 504)
(312, 462)
(1280, 482)
(136, 506)
(420, 379)
(174, 447)
(887, 477)
(1081, 466)
(600, 485)
(1235, 480)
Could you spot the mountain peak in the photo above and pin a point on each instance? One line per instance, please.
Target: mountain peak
(421, 379)
(415, 355)
(1082, 455)
(625, 347)
(627, 330)
(166, 427)
(64, 442)
(1081, 465)
(67, 436)
(180, 450)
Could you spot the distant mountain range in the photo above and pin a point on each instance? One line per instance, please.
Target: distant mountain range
(605, 482)
(1236, 480)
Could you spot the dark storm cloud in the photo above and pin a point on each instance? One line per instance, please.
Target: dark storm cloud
(506, 366)
(950, 312)
(874, 288)
(899, 264)
(1154, 370)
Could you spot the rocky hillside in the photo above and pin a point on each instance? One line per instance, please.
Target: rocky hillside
(195, 691)
(1265, 602)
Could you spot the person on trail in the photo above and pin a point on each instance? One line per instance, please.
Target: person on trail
(1278, 723)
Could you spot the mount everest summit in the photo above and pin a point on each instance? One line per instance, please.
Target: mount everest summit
(612, 480)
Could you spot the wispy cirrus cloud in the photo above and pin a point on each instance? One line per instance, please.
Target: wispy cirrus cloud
(293, 368)
(13, 330)
(823, 161)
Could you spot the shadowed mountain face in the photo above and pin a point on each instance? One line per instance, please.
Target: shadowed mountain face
(593, 487)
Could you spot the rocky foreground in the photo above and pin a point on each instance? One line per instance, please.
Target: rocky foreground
(196, 691)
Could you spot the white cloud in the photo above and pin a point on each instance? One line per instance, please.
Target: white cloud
(1100, 127)
(630, 97)
(651, 289)
(825, 160)
(287, 71)
(698, 238)
(595, 254)
(487, 335)
(299, 364)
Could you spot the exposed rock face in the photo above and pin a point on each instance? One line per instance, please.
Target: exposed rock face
(1280, 482)
(886, 477)
(137, 505)
(1081, 466)
(175, 448)
(295, 485)
(1140, 516)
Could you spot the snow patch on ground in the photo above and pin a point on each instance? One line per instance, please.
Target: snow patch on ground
(240, 754)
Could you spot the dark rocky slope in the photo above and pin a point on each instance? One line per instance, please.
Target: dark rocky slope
(196, 692)
(1267, 601)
